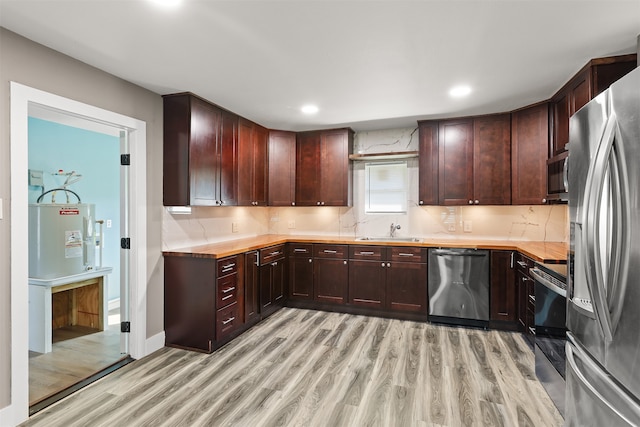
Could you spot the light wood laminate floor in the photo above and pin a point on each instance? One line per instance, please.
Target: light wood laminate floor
(313, 368)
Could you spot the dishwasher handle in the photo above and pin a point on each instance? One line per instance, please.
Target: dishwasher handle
(464, 252)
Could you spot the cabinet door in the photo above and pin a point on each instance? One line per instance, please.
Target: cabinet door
(189, 294)
(407, 286)
(278, 276)
(307, 168)
(560, 138)
(428, 164)
(503, 287)
(330, 280)
(245, 163)
(260, 165)
(204, 155)
(228, 159)
(523, 298)
(580, 91)
(455, 168)
(334, 168)
(282, 168)
(367, 283)
(529, 152)
(266, 288)
(301, 277)
(251, 292)
(492, 160)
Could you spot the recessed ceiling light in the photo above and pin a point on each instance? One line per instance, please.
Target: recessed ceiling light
(460, 91)
(309, 109)
(168, 4)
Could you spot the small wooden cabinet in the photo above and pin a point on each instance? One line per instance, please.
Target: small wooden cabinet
(282, 168)
(272, 279)
(300, 271)
(251, 287)
(368, 276)
(492, 160)
(428, 163)
(252, 163)
(198, 136)
(529, 150)
(503, 289)
(323, 171)
(455, 162)
(330, 273)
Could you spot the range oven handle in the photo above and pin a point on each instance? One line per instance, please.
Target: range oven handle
(535, 272)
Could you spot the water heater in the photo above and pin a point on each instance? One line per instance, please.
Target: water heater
(62, 240)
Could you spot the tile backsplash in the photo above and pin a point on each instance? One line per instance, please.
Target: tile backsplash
(214, 224)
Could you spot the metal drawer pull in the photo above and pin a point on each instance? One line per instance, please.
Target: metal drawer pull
(532, 298)
(300, 250)
(532, 330)
(274, 263)
(224, 291)
(327, 251)
(522, 264)
(275, 253)
(227, 297)
(229, 320)
(404, 254)
(366, 253)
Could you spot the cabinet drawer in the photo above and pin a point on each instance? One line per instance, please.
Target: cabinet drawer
(330, 251)
(227, 265)
(408, 254)
(227, 290)
(303, 249)
(524, 264)
(227, 320)
(271, 254)
(373, 253)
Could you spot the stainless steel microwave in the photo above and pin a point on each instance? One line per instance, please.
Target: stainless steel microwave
(557, 185)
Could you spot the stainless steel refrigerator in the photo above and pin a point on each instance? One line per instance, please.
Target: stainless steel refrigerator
(603, 299)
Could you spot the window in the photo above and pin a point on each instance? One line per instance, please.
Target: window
(386, 187)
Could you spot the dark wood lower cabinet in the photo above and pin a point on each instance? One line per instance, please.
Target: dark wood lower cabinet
(300, 271)
(503, 305)
(407, 286)
(209, 302)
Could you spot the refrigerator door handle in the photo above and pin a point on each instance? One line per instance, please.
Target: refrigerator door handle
(587, 372)
(591, 222)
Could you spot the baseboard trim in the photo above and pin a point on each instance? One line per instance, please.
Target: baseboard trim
(114, 303)
(7, 417)
(154, 343)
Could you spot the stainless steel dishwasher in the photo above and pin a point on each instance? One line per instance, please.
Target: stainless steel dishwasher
(459, 286)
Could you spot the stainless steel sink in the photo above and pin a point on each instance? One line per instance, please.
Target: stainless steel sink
(389, 239)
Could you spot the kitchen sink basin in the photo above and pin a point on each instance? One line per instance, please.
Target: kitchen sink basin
(389, 239)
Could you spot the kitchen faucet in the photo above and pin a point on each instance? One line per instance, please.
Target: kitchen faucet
(392, 230)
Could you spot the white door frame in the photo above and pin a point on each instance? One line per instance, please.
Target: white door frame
(21, 97)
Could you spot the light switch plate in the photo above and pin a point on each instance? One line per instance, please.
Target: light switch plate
(234, 227)
(467, 226)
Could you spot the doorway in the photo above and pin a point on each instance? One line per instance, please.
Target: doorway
(82, 339)
(132, 262)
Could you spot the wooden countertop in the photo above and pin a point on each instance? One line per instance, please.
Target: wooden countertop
(549, 252)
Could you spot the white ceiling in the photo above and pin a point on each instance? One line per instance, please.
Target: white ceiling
(366, 64)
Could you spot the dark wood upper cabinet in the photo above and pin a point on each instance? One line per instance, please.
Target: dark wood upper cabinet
(282, 168)
(198, 152)
(529, 150)
(252, 163)
(428, 163)
(591, 80)
(323, 171)
(455, 162)
(492, 160)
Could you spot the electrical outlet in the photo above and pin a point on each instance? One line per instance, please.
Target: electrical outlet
(291, 223)
(234, 227)
(451, 227)
(467, 226)
(109, 223)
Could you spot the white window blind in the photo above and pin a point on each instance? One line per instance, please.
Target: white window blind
(386, 187)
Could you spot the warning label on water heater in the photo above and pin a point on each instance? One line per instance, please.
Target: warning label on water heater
(72, 243)
(69, 211)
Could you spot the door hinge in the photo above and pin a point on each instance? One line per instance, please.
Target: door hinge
(125, 159)
(125, 243)
(125, 327)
